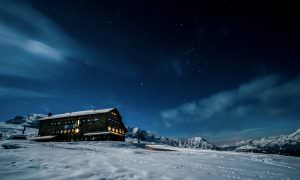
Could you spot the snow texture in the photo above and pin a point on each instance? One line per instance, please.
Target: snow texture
(28, 160)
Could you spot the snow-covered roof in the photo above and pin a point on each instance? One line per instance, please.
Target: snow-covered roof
(41, 138)
(78, 113)
(97, 133)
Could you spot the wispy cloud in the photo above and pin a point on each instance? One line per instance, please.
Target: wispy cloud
(257, 104)
(29, 40)
(6, 92)
(33, 46)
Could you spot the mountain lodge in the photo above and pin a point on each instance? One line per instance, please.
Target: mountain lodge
(90, 125)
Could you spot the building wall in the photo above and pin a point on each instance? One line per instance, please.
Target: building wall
(84, 124)
(73, 128)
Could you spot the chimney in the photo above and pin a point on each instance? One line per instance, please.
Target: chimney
(49, 114)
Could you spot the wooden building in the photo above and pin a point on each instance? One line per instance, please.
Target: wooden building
(90, 125)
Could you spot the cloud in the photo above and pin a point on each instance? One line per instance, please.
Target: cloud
(260, 103)
(177, 68)
(31, 45)
(6, 92)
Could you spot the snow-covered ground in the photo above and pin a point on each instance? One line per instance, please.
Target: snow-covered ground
(118, 160)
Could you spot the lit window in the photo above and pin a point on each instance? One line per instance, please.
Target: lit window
(65, 131)
(109, 128)
(113, 129)
(78, 122)
(117, 130)
(76, 130)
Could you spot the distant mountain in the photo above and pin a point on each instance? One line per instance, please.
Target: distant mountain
(15, 126)
(135, 133)
(283, 144)
(195, 142)
(28, 121)
(16, 120)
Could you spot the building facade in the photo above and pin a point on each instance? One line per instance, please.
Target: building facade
(103, 124)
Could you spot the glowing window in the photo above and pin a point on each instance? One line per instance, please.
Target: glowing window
(109, 128)
(113, 129)
(76, 130)
(117, 130)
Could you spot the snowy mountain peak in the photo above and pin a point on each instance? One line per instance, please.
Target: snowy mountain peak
(142, 135)
(295, 134)
(135, 130)
(283, 144)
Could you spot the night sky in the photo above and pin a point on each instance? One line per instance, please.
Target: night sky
(219, 69)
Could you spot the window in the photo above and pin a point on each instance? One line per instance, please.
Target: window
(76, 130)
(109, 128)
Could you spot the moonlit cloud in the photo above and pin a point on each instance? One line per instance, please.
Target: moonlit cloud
(43, 50)
(29, 39)
(258, 104)
(19, 93)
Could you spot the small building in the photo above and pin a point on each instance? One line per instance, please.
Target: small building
(90, 125)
